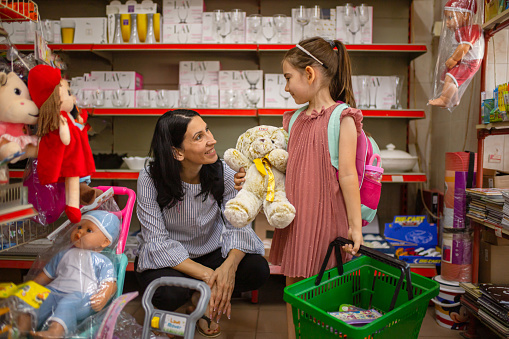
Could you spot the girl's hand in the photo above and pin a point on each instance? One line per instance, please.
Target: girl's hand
(223, 281)
(239, 178)
(356, 236)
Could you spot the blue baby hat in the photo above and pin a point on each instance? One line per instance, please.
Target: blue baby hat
(107, 222)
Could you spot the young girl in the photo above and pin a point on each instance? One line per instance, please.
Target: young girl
(318, 72)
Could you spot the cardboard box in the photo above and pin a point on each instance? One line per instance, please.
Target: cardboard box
(240, 100)
(275, 92)
(196, 72)
(16, 31)
(118, 80)
(492, 180)
(324, 27)
(212, 99)
(491, 238)
(181, 33)
(89, 30)
(492, 263)
(361, 36)
(239, 79)
(183, 12)
(382, 91)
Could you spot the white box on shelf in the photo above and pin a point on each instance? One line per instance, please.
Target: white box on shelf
(236, 98)
(16, 31)
(182, 33)
(324, 27)
(212, 93)
(241, 79)
(183, 11)
(118, 80)
(199, 72)
(89, 30)
(275, 94)
(382, 91)
(211, 33)
(361, 35)
(127, 98)
(165, 98)
(57, 31)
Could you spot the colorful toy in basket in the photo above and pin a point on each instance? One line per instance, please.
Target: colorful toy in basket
(460, 53)
(64, 151)
(262, 152)
(81, 279)
(16, 112)
(414, 238)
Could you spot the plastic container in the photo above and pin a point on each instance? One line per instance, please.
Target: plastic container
(447, 305)
(371, 281)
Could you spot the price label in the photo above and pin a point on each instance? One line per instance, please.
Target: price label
(498, 231)
(397, 178)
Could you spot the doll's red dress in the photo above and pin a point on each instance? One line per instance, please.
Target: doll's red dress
(57, 161)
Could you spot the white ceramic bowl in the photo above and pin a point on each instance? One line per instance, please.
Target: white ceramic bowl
(394, 160)
(135, 163)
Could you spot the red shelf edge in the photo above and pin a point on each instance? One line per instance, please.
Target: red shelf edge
(161, 111)
(406, 178)
(410, 114)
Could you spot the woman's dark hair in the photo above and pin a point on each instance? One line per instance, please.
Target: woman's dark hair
(164, 169)
(338, 71)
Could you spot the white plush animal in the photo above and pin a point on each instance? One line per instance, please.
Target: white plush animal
(16, 111)
(262, 152)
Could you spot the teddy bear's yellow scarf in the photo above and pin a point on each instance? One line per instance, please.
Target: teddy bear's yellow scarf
(264, 167)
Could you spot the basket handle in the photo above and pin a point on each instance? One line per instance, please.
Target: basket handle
(404, 267)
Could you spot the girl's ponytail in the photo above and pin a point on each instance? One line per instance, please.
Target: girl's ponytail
(341, 82)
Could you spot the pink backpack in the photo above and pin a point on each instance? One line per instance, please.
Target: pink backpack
(367, 162)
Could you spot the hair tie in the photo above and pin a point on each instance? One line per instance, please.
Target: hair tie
(331, 43)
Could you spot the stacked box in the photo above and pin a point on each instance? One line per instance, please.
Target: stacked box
(363, 35)
(199, 72)
(233, 86)
(275, 94)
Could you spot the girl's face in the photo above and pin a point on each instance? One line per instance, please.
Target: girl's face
(88, 236)
(66, 98)
(198, 145)
(296, 84)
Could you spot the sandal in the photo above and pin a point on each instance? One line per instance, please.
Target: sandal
(215, 333)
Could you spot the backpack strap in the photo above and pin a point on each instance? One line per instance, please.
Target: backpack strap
(333, 133)
(295, 116)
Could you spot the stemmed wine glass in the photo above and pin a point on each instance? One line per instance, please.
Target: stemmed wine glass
(397, 95)
(364, 87)
(183, 34)
(375, 84)
(225, 27)
(302, 19)
(231, 96)
(237, 23)
(279, 24)
(183, 10)
(363, 12)
(268, 29)
(252, 78)
(198, 69)
(185, 95)
(217, 17)
(316, 15)
(252, 97)
(348, 18)
(254, 24)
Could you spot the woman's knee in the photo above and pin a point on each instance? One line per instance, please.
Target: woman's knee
(253, 271)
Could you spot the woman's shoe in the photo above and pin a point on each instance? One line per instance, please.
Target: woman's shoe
(215, 333)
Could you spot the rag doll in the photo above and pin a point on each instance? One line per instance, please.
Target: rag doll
(468, 44)
(64, 152)
(81, 279)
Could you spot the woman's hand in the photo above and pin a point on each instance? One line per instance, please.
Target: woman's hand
(355, 235)
(239, 178)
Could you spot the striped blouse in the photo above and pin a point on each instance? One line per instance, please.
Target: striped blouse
(190, 229)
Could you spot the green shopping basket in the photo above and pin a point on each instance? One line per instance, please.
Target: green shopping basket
(374, 280)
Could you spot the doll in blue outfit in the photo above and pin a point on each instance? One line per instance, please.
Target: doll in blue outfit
(81, 279)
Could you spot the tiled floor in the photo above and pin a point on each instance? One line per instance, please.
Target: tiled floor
(267, 319)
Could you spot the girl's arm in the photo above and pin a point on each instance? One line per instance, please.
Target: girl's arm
(349, 182)
(63, 130)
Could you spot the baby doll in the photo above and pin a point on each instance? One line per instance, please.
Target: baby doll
(81, 279)
(64, 151)
(466, 59)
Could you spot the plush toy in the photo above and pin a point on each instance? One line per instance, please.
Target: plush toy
(460, 53)
(64, 152)
(16, 112)
(262, 152)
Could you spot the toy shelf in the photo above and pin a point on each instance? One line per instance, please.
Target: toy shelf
(499, 229)
(367, 113)
(493, 125)
(18, 10)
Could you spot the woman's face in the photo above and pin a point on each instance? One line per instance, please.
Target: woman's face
(296, 83)
(198, 144)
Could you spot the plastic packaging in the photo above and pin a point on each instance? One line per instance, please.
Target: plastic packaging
(48, 200)
(460, 51)
(81, 272)
(457, 256)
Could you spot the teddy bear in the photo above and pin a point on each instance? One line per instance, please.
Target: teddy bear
(262, 152)
(17, 111)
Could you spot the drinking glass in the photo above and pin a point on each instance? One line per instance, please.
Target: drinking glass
(237, 23)
(184, 95)
(183, 10)
(198, 69)
(254, 24)
(201, 94)
(231, 97)
(117, 35)
(151, 38)
(217, 17)
(375, 83)
(364, 87)
(397, 85)
(348, 19)
(47, 30)
(279, 24)
(363, 12)
(268, 30)
(143, 98)
(316, 16)
(302, 19)
(98, 98)
(124, 80)
(251, 97)
(134, 39)
(164, 99)
(225, 27)
(183, 34)
(142, 26)
(252, 78)
(119, 98)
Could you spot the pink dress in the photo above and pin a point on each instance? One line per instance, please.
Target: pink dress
(312, 187)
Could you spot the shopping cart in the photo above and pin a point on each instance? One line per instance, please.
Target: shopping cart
(172, 322)
(372, 281)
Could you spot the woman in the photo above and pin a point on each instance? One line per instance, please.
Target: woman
(181, 221)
